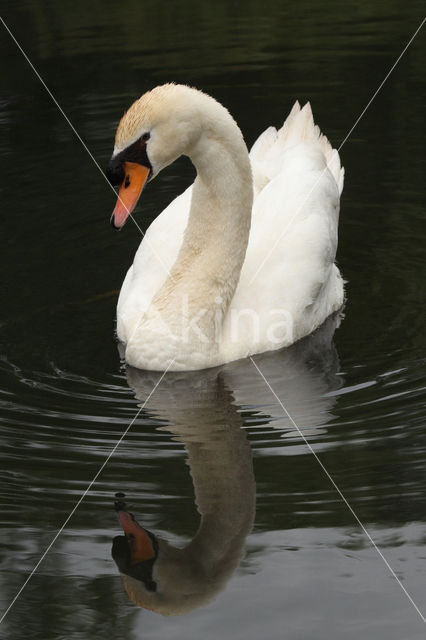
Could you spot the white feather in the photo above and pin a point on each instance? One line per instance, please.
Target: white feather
(288, 273)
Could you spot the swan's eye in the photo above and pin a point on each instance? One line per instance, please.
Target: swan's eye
(146, 136)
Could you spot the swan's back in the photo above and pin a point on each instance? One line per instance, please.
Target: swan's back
(289, 279)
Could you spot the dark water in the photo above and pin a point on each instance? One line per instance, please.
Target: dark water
(307, 571)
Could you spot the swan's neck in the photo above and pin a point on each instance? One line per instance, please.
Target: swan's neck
(225, 494)
(206, 272)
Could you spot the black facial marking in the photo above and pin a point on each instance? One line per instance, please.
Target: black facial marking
(114, 171)
(135, 153)
(141, 570)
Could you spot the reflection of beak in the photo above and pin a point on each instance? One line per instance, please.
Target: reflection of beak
(140, 543)
(135, 177)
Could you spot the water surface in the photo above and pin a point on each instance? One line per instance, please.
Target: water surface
(357, 392)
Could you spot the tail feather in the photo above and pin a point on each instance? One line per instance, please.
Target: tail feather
(263, 144)
(299, 126)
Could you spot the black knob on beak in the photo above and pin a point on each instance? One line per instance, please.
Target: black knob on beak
(114, 171)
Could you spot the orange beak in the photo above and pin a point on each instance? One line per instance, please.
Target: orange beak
(135, 177)
(141, 547)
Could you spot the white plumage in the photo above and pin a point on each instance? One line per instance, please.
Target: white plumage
(217, 278)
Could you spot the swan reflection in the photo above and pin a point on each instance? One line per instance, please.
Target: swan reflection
(204, 417)
(203, 411)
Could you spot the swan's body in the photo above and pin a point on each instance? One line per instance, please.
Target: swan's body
(243, 261)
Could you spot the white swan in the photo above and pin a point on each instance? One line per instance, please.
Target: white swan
(221, 274)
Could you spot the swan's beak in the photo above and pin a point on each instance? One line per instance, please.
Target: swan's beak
(135, 177)
(140, 543)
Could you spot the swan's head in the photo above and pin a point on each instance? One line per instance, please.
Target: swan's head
(163, 578)
(136, 552)
(160, 126)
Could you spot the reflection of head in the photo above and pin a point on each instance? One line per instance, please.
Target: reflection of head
(155, 574)
(136, 552)
(181, 582)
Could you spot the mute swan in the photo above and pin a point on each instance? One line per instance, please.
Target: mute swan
(243, 261)
(171, 580)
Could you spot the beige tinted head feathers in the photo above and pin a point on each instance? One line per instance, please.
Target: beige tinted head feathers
(163, 124)
(174, 102)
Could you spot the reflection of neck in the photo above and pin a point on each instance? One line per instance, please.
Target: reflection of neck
(208, 265)
(220, 461)
(200, 410)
